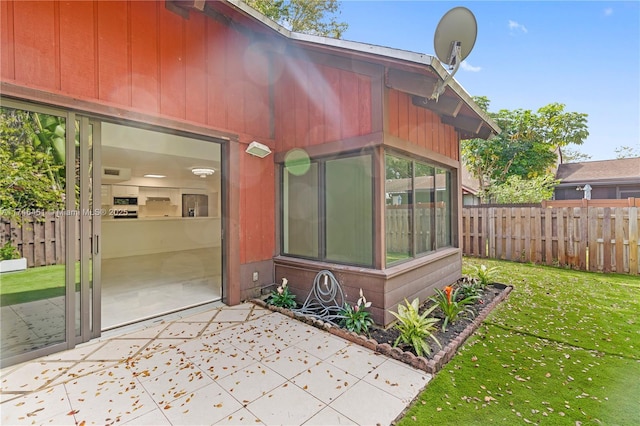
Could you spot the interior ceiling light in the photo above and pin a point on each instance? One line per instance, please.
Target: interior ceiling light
(258, 149)
(155, 176)
(202, 172)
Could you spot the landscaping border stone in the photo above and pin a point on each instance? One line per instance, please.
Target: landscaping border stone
(431, 366)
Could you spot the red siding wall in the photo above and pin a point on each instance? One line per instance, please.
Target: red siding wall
(318, 103)
(420, 126)
(138, 55)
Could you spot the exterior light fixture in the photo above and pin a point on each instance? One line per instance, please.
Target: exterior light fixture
(202, 172)
(258, 149)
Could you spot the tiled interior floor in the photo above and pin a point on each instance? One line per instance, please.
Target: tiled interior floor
(138, 287)
(230, 365)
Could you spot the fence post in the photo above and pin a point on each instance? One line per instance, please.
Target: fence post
(633, 240)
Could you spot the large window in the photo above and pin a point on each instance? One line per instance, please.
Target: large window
(418, 208)
(327, 212)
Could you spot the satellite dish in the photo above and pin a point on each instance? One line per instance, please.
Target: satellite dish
(453, 41)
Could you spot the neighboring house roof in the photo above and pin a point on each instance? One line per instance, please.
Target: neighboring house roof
(625, 170)
(413, 73)
(470, 185)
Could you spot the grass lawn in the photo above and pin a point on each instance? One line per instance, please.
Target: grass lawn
(563, 349)
(33, 284)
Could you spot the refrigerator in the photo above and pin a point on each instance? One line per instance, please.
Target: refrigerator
(195, 205)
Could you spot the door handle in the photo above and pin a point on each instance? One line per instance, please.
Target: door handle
(96, 238)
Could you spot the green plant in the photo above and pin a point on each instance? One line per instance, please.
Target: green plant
(282, 297)
(8, 252)
(414, 327)
(355, 318)
(485, 275)
(470, 287)
(452, 305)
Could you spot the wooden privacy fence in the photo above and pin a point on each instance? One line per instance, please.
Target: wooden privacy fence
(594, 239)
(40, 238)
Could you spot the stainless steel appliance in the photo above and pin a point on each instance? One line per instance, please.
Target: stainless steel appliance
(125, 213)
(195, 205)
(125, 201)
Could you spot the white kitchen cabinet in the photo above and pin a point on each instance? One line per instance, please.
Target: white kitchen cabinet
(124, 191)
(106, 199)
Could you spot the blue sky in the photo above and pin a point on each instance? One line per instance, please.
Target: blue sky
(585, 55)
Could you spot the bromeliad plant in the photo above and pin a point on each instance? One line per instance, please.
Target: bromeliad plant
(485, 275)
(282, 297)
(453, 308)
(415, 328)
(355, 318)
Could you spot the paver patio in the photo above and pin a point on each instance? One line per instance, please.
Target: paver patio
(224, 366)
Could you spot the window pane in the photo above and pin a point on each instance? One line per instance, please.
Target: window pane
(398, 220)
(300, 213)
(349, 210)
(443, 213)
(425, 208)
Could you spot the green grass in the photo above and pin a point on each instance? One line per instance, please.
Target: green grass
(33, 284)
(563, 349)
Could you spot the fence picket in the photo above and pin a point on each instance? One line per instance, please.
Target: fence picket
(587, 238)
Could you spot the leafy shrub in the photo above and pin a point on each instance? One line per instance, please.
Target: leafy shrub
(452, 305)
(356, 318)
(470, 287)
(8, 252)
(282, 297)
(414, 327)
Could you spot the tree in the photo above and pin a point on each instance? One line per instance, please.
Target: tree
(32, 172)
(573, 155)
(627, 152)
(517, 190)
(527, 145)
(317, 17)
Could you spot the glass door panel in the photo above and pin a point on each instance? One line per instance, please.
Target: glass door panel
(36, 195)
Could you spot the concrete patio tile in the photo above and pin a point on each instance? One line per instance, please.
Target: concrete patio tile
(146, 332)
(356, 360)
(290, 362)
(206, 316)
(116, 403)
(233, 315)
(156, 363)
(208, 405)
(152, 418)
(33, 375)
(169, 386)
(219, 362)
(181, 329)
(328, 416)
(82, 368)
(118, 349)
(285, 405)
(366, 404)
(398, 379)
(114, 379)
(324, 381)
(242, 417)
(323, 345)
(251, 382)
(49, 406)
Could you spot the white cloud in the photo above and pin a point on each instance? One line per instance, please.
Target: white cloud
(468, 67)
(514, 26)
(608, 11)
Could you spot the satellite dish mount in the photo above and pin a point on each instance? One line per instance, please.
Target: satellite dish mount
(453, 40)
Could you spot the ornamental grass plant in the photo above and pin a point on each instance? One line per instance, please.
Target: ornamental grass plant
(563, 349)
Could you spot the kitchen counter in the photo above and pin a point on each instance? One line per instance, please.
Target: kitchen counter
(131, 237)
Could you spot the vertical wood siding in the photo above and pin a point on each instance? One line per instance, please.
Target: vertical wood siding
(317, 103)
(420, 126)
(138, 55)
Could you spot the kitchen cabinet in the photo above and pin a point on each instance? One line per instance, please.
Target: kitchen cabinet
(124, 191)
(106, 199)
(145, 192)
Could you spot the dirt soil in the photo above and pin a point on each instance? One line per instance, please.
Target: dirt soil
(390, 334)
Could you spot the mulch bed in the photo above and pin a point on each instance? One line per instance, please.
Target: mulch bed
(381, 340)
